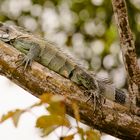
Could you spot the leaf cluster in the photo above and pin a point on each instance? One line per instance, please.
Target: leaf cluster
(56, 118)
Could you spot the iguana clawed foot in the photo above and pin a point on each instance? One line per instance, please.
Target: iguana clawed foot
(24, 60)
(97, 99)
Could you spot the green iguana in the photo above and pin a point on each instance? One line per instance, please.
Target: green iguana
(47, 54)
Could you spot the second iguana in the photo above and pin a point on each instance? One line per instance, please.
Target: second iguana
(52, 57)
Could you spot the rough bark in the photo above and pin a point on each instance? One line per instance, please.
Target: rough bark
(128, 50)
(111, 118)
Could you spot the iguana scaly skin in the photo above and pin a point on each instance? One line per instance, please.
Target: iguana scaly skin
(53, 58)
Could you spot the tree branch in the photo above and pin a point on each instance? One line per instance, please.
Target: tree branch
(111, 118)
(128, 49)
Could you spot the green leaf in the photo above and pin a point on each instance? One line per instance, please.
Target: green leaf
(49, 130)
(70, 137)
(81, 133)
(76, 111)
(6, 116)
(57, 108)
(46, 97)
(14, 115)
(51, 122)
(92, 135)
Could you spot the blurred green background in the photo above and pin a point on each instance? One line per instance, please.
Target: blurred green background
(86, 28)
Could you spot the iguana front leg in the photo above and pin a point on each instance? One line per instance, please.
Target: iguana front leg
(94, 92)
(30, 49)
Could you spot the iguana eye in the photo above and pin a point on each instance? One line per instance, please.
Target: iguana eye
(4, 33)
(7, 30)
(4, 28)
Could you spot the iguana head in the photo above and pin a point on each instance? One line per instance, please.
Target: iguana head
(8, 32)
